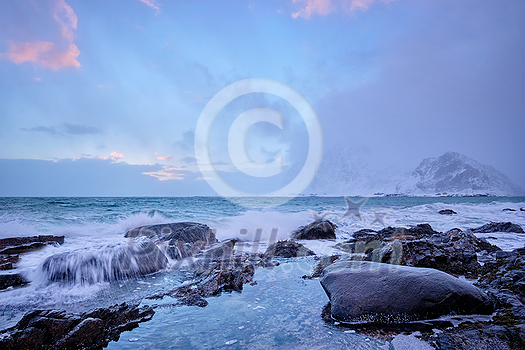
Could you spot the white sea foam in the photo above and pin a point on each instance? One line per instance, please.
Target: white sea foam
(257, 226)
(409, 342)
(11, 226)
(141, 219)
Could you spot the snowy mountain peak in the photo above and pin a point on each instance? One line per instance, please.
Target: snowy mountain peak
(455, 173)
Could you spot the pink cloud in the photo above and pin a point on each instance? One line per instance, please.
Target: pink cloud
(45, 54)
(321, 7)
(116, 155)
(66, 19)
(38, 80)
(151, 3)
(324, 7)
(165, 158)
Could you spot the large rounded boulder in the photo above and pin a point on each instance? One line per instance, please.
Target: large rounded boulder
(362, 291)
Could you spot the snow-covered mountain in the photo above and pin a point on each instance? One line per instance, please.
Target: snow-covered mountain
(455, 173)
(356, 171)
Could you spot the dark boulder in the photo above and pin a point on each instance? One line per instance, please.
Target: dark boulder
(12, 280)
(57, 329)
(187, 232)
(383, 293)
(498, 227)
(316, 230)
(447, 212)
(508, 209)
(287, 249)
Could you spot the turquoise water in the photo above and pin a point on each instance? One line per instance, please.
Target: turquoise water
(282, 311)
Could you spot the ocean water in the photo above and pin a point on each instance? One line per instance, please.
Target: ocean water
(281, 311)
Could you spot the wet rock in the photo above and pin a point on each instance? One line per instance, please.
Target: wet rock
(506, 275)
(323, 263)
(185, 239)
(12, 280)
(508, 209)
(221, 278)
(140, 257)
(522, 209)
(57, 329)
(192, 299)
(287, 249)
(498, 227)
(498, 334)
(454, 251)
(18, 241)
(19, 245)
(188, 232)
(316, 230)
(7, 261)
(220, 252)
(393, 233)
(447, 212)
(384, 293)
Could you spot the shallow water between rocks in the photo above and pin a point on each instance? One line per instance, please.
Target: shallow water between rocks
(282, 311)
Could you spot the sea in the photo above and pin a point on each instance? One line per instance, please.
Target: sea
(281, 311)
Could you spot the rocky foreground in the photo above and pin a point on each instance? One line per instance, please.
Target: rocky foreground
(57, 329)
(388, 282)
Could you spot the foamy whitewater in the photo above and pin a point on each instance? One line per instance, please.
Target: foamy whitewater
(281, 311)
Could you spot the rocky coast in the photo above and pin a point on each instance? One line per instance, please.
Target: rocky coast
(451, 289)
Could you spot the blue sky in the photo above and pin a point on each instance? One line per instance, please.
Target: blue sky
(96, 91)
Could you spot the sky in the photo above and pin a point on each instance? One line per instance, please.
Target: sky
(103, 98)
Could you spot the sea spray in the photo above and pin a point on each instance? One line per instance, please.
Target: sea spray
(89, 266)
